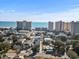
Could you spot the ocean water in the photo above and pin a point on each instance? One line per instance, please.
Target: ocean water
(14, 24)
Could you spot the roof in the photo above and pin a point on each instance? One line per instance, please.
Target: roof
(11, 51)
(11, 54)
(61, 34)
(48, 39)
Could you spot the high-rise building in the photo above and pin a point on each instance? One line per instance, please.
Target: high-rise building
(75, 27)
(72, 27)
(19, 25)
(23, 25)
(59, 26)
(67, 27)
(50, 26)
(63, 26)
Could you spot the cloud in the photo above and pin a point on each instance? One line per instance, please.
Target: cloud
(12, 15)
(1, 11)
(69, 15)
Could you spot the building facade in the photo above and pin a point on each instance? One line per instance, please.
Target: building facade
(67, 27)
(75, 27)
(63, 26)
(50, 26)
(23, 25)
(41, 29)
(59, 26)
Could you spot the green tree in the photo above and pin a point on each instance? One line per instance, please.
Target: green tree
(4, 47)
(14, 38)
(75, 37)
(62, 38)
(1, 38)
(72, 54)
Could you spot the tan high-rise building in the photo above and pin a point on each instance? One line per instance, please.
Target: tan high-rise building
(63, 26)
(67, 27)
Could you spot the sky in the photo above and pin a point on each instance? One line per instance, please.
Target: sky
(39, 10)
